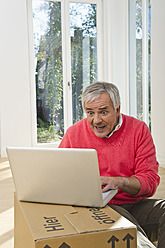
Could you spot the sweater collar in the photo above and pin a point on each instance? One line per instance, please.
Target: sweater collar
(117, 127)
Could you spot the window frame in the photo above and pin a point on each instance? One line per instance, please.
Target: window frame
(66, 57)
(101, 55)
(132, 60)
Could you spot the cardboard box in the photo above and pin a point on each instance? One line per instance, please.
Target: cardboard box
(59, 226)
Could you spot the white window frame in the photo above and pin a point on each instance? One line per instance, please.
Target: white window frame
(66, 57)
(132, 59)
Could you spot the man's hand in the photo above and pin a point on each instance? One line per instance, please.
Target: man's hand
(130, 185)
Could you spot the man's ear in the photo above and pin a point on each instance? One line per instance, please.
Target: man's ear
(118, 111)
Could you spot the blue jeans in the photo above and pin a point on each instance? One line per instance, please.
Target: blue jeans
(149, 217)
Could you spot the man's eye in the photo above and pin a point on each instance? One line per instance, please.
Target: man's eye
(104, 112)
(90, 113)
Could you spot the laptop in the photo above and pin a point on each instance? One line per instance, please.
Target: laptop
(67, 176)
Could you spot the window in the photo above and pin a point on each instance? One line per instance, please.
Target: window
(143, 65)
(65, 62)
(69, 55)
(83, 34)
(48, 70)
(140, 62)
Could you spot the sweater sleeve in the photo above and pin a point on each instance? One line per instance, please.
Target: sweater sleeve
(146, 165)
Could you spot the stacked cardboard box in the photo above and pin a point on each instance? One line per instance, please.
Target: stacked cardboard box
(60, 226)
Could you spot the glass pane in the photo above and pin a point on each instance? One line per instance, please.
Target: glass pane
(83, 52)
(48, 70)
(139, 80)
(139, 87)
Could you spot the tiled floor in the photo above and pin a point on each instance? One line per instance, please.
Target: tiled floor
(6, 203)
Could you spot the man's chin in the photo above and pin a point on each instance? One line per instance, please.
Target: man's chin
(100, 134)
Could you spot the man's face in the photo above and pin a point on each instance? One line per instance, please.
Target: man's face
(101, 115)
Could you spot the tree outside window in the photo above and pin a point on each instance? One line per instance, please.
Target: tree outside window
(49, 64)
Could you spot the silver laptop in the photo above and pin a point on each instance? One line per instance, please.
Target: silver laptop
(58, 175)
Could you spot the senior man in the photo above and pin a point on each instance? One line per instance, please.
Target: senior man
(126, 155)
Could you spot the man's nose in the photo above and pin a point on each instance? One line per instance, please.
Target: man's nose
(97, 119)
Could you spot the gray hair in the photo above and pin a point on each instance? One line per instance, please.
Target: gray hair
(94, 91)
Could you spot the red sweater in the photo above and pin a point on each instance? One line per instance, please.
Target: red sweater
(130, 151)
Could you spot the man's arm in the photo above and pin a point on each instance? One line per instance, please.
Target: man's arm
(130, 185)
(145, 179)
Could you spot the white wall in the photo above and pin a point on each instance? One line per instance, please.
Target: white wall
(158, 77)
(15, 117)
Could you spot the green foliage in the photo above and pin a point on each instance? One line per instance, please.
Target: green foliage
(49, 79)
(46, 132)
(45, 135)
(42, 124)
